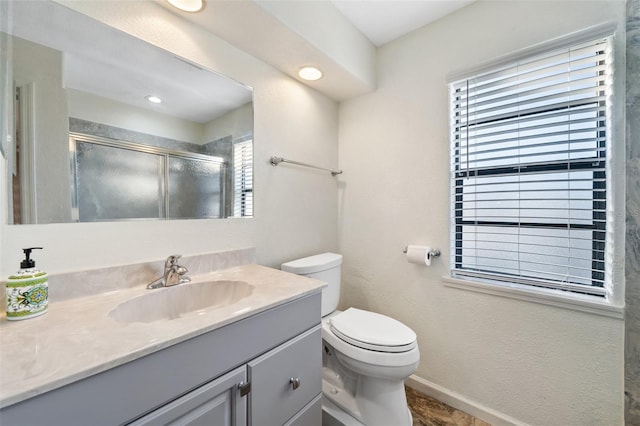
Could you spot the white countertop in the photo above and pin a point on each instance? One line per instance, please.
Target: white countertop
(76, 338)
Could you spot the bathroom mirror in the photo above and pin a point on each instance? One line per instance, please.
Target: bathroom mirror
(109, 127)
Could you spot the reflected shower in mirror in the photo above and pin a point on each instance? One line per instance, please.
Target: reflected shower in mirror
(109, 127)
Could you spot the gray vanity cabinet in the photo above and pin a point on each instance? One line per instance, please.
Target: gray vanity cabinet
(216, 403)
(285, 385)
(200, 381)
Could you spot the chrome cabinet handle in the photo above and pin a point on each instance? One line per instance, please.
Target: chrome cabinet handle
(295, 382)
(244, 388)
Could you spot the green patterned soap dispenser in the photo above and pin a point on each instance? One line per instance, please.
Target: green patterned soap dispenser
(27, 290)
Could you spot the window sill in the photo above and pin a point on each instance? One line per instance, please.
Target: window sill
(576, 302)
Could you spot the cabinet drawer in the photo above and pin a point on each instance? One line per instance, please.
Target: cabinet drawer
(273, 399)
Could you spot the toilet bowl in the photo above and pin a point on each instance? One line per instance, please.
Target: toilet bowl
(366, 356)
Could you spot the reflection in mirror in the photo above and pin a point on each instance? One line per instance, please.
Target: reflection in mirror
(89, 144)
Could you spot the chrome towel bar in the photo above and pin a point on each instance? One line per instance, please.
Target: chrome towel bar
(277, 160)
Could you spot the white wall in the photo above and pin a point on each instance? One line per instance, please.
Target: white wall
(535, 363)
(41, 67)
(295, 209)
(87, 106)
(237, 123)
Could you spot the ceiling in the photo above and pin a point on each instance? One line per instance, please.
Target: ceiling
(284, 33)
(89, 51)
(340, 37)
(382, 21)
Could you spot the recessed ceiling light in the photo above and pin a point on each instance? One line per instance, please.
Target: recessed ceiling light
(153, 99)
(187, 5)
(310, 73)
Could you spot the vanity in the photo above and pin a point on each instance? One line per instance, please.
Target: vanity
(254, 358)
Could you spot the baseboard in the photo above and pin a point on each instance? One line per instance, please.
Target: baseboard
(460, 402)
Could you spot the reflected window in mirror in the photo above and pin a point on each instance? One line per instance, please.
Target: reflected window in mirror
(243, 178)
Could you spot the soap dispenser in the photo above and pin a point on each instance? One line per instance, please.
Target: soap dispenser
(27, 290)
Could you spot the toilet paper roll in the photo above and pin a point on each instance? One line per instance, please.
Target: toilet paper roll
(419, 255)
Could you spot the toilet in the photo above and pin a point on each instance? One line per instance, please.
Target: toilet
(366, 356)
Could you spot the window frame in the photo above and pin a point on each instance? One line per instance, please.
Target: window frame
(609, 302)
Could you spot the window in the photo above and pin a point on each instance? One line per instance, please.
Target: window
(243, 178)
(529, 177)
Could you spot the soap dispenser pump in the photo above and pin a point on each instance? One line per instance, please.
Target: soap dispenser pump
(27, 290)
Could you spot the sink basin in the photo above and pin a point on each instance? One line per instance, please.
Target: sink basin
(180, 300)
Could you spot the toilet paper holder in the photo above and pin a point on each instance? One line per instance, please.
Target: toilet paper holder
(433, 253)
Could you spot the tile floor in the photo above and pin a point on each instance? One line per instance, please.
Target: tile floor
(427, 411)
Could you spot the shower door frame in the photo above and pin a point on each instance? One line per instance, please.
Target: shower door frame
(163, 171)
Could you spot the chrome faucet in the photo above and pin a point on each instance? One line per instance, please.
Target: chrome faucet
(173, 274)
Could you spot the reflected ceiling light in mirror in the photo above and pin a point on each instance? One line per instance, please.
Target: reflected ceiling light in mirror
(309, 73)
(153, 99)
(187, 5)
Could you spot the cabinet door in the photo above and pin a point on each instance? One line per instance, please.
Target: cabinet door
(217, 403)
(285, 379)
(310, 415)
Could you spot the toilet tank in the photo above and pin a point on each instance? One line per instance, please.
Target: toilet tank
(324, 267)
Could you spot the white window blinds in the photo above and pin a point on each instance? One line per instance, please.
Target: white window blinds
(243, 178)
(528, 159)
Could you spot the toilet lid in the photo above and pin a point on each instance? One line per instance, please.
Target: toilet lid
(372, 331)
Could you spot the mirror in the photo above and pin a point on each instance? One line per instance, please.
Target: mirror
(90, 145)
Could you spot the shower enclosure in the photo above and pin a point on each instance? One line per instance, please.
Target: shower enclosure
(118, 180)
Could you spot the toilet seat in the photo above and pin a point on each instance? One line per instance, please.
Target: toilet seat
(372, 331)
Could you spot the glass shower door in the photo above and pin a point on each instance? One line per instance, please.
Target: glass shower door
(113, 183)
(118, 180)
(195, 188)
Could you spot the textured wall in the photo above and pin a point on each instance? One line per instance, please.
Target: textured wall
(539, 364)
(632, 261)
